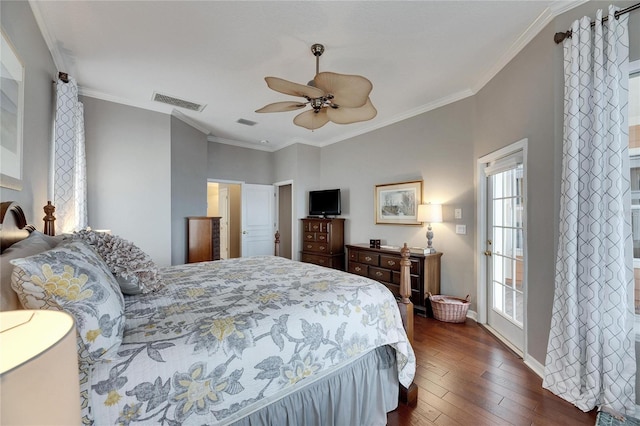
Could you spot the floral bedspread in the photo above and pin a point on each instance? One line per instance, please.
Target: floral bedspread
(222, 336)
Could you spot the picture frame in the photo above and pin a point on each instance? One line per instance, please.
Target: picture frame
(11, 116)
(397, 203)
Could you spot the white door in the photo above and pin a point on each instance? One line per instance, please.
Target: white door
(504, 233)
(258, 219)
(223, 211)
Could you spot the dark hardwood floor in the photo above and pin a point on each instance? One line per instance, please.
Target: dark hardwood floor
(467, 377)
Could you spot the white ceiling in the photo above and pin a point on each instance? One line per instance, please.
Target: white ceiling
(419, 55)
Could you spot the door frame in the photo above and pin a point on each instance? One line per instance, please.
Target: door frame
(481, 226)
(294, 228)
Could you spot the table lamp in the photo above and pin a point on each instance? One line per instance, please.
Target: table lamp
(39, 382)
(430, 213)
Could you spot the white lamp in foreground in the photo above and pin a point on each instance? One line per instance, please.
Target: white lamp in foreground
(430, 213)
(39, 382)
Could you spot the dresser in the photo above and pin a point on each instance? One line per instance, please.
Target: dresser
(323, 242)
(203, 239)
(383, 264)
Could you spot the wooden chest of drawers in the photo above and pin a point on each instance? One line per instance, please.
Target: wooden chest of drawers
(323, 242)
(203, 239)
(384, 265)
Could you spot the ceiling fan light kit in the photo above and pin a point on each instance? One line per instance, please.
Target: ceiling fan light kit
(339, 98)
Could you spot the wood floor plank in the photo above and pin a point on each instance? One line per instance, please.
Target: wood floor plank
(465, 376)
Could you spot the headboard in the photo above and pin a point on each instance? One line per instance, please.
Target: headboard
(13, 228)
(13, 224)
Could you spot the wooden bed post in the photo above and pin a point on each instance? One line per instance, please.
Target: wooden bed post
(405, 305)
(408, 395)
(49, 219)
(277, 244)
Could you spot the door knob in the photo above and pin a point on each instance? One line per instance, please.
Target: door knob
(487, 253)
(244, 232)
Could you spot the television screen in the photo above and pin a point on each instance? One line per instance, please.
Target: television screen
(324, 203)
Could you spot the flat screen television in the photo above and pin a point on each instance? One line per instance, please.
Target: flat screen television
(324, 203)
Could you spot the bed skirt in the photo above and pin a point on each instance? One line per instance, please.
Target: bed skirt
(361, 393)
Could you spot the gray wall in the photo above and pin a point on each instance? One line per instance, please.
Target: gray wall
(437, 148)
(129, 174)
(519, 103)
(22, 31)
(188, 183)
(228, 162)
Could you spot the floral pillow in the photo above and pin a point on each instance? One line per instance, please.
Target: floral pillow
(133, 268)
(72, 277)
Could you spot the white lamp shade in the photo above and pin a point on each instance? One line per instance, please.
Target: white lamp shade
(39, 382)
(430, 213)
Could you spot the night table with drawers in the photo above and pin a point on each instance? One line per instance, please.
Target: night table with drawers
(383, 265)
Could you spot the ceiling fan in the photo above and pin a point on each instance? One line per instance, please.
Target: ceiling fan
(340, 98)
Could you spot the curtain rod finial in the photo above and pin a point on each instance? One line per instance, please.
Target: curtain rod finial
(63, 76)
(560, 37)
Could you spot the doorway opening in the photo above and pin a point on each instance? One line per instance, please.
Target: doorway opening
(224, 201)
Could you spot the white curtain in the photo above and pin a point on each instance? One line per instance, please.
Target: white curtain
(591, 355)
(69, 162)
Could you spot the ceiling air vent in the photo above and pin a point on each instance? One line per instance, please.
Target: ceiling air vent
(246, 122)
(181, 103)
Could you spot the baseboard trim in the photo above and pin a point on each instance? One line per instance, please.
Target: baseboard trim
(534, 365)
(473, 315)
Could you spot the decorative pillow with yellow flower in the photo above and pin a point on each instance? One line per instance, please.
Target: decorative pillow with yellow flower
(74, 278)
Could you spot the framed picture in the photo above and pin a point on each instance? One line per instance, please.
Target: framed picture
(11, 110)
(397, 203)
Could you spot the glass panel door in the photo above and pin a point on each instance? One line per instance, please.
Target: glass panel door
(505, 254)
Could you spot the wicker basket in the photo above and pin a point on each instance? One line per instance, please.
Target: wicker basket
(448, 308)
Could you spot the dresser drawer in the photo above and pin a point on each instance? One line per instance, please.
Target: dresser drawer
(391, 262)
(322, 237)
(379, 274)
(415, 280)
(316, 226)
(369, 258)
(316, 247)
(358, 268)
(317, 260)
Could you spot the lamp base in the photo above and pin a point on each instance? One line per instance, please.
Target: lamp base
(429, 248)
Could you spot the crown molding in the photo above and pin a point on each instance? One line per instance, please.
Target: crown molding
(190, 121)
(50, 41)
(549, 14)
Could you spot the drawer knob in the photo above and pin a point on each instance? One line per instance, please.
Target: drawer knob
(321, 261)
(309, 237)
(368, 258)
(309, 246)
(391, 262)
(322, 248)
(358, 269)
(378, 274)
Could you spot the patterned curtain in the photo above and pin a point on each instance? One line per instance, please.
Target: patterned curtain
(591, 352)
(69, 168)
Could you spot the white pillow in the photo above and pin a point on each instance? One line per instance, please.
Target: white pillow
(72, 277)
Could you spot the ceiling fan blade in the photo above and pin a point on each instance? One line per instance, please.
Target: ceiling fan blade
(350, 91)
(312, 120)
(344, 115)
(294, 89)
(282, 106)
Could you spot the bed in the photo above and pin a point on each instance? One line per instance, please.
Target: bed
(258, 340)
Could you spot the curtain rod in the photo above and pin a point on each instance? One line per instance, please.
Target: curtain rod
(560, 37)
